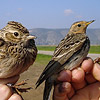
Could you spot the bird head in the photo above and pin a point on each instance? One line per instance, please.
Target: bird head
(80, 27)
(15, 32)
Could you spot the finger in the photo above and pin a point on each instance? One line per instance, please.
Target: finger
(5, 92)
(15, 97)
(64, 76)
(78, 75)
(96, 71)
(89, 78)
(72, 92)
(61, 91)
(87, 64)
(90, 92)
(80, 85)
(9, 80)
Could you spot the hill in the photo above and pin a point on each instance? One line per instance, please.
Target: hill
(53, 36)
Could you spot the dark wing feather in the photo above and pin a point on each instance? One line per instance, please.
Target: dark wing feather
(66, 48)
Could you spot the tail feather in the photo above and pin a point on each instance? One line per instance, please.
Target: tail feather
(39, 81)
(44, 74)
(47, 90)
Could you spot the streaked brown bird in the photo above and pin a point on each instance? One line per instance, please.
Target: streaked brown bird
(68, 54)
(17, 49)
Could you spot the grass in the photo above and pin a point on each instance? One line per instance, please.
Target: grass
(46, 48)
(93, 49)
(42, 59)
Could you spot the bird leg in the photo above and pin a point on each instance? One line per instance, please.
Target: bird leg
(97, 60)
(17, 89)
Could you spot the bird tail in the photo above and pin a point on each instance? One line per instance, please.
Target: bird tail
(47, 90)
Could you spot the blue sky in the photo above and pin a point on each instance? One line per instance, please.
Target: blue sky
(49, 13)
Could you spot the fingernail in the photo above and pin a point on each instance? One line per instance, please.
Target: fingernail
(79, 68)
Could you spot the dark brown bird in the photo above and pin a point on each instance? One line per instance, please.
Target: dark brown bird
(17, 49)
(68, 54)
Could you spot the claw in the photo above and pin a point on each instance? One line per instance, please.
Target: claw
(21, 83)
(21, 90)
(17, 89)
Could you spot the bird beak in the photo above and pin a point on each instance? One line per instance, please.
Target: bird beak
(89, 22)
(31, 37)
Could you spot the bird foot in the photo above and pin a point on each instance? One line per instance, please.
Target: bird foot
(97, 60)
(16, 87)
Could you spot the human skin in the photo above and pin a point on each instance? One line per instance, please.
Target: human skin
(79, 84)
(6, 93)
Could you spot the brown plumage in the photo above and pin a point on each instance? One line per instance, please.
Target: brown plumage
(68, 54)
(17, 49)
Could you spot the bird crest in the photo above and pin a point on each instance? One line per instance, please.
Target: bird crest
(17, 25)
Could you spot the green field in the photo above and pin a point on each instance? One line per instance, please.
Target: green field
(42, 59)
(93, 49)
(46, 48)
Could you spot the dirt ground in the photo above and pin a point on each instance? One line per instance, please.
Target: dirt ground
(32, 74)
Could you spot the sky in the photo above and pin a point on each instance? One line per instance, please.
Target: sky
(49, 13)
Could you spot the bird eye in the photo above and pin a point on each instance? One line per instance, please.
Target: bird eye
(79, 25)
(16, 33)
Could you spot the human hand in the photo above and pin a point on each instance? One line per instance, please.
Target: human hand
(6, 93)
(80, 83)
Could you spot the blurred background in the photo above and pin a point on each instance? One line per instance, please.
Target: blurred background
(50, 20)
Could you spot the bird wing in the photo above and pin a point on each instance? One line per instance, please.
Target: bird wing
(72, 42)
(66, 48)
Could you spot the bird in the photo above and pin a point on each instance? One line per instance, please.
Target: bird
(17, 49)
(68, 55)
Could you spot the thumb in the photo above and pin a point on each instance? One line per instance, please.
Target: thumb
(61, 90)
